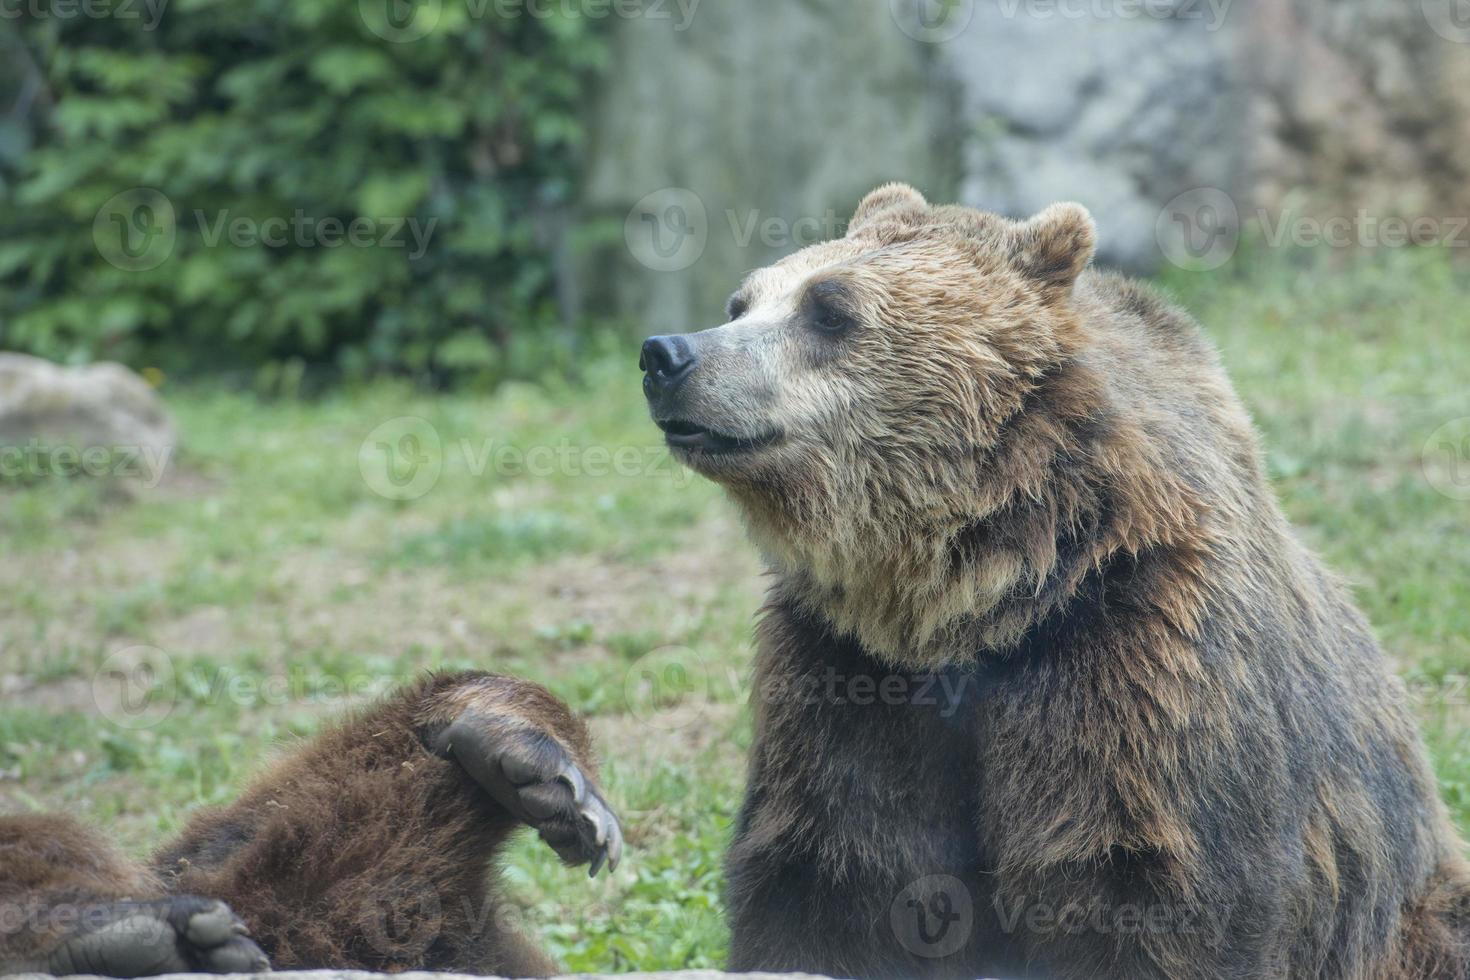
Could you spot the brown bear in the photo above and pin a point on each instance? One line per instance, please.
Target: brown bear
(372, 847)
(1046, 686)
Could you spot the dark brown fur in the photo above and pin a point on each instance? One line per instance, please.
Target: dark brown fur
(50, 861)
(363, 849)
(1031, 488)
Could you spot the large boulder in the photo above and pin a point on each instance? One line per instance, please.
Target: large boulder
(97, 420)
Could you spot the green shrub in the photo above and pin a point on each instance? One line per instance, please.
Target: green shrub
(205, 184)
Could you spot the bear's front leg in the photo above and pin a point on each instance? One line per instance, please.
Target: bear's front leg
(532, 755)
(374, 845)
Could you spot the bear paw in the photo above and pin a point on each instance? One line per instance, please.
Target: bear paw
(183, 934)
(533, 776)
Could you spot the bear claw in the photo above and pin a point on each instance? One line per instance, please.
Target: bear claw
(530, 774)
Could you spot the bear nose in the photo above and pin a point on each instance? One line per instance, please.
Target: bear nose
(665, 362)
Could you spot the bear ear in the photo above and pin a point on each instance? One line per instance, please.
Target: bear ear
(1055, 246)
(891, 201)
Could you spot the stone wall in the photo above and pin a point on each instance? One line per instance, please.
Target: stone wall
(743, 129)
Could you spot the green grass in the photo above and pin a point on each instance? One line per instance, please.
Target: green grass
(282, 586)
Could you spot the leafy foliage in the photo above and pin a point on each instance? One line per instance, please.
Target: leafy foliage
(234, 183)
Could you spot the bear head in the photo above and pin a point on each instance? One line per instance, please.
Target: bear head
(851, 403)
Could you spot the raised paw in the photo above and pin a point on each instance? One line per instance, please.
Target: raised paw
(143, 939)
(533, 776)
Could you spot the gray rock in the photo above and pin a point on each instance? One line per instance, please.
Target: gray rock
(73, 419)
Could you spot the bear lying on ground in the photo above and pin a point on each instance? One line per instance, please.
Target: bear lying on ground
(372, 847)
(1046, 686)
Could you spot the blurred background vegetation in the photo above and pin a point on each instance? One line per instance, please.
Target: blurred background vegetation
(270, 108)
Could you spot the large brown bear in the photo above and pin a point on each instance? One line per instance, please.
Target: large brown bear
(1046, 685)
(373, 847)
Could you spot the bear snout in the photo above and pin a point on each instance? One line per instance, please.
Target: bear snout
(665, 362)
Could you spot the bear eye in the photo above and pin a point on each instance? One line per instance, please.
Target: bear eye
(827, 312)
(737, 307)
(832, 321)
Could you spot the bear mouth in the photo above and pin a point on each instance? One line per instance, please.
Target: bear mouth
(690, 437)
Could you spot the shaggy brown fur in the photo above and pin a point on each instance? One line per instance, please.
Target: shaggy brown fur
(1039, 626)
(371, 847)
